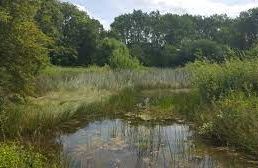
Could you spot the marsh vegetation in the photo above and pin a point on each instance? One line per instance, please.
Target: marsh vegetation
(154, 91)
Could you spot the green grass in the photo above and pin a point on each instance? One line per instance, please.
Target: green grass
(42, 115)
(114, 79)
(117, 104)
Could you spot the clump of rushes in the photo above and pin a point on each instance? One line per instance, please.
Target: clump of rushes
(120, 103)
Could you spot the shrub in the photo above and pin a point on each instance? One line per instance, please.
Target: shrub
(236, 122)
(218, 80)
(253, 52)
(116, 54)
(13, 156)
(229, 91)
(122, 60)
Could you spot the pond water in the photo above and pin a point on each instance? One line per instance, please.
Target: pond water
(118, 143)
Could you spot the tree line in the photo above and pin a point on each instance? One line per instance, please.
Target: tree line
(154, 39)
(171, 40)
(34, 33)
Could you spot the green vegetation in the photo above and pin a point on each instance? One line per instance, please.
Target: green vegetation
(23, 51)
(231, 89)
(215, 81)
(104, 73)
(64, 94)
(117, 55)
(222, 103)
(172, 40)
(12, 156)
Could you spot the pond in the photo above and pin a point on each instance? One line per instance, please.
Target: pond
(120, 143)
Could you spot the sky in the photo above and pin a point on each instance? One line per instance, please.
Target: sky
(106, 10)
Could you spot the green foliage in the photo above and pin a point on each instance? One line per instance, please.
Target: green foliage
(116, 54)
(13, 156)
(236, 122)
(227, 111)
(169, 56)
(231, 120)
(215, 81)
(214, 38)
(50, 18)
(224, 103)
(74, 33)
(121, 59)
(247, 28)
(202, 50)
(67, 94)
(252, 53)
(23, 50)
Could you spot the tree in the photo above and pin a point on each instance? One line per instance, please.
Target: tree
(22, 46)
(169, 56)
(74, 33)
(177, 28)
(202, 49)
(247, 26)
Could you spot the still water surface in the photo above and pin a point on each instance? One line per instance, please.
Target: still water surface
(118, 143)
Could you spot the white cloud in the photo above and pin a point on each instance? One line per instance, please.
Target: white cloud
(101, 20)
(197, 7)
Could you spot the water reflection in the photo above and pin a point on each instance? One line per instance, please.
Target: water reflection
(116, 143)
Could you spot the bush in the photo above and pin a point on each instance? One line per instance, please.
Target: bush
(252, 53)
(236, 122)
(229, 93)
(218, 80)
(116, 54)
(122, 60)
(13, 156)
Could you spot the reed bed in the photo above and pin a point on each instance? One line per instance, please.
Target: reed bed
(119, 79)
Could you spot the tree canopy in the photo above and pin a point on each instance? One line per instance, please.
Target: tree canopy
(149, 35)
(23, 49)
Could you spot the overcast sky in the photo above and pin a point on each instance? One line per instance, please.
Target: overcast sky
(106, 10)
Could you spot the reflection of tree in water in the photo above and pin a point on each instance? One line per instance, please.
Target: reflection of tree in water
(119, 144)
(157, 145)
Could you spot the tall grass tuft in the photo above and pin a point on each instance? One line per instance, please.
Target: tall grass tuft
(117, 79)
